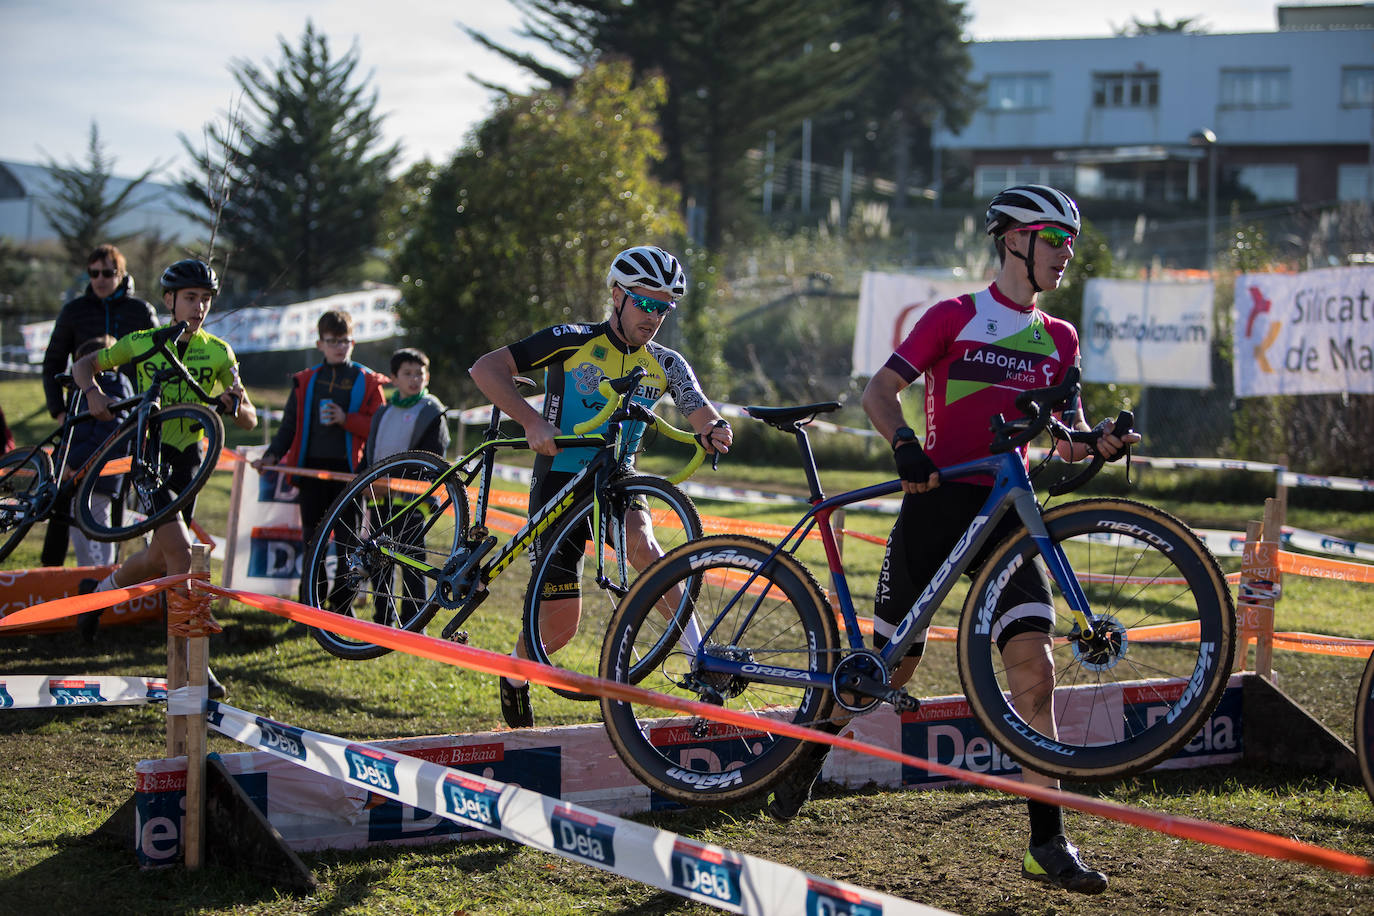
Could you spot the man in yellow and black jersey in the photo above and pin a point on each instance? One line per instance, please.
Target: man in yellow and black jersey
(645, 284)
(189, 287)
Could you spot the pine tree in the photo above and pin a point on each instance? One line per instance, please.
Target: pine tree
(86, 203)
(301, 206)
(736, 69)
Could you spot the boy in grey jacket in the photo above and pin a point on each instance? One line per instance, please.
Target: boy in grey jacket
(412, 418)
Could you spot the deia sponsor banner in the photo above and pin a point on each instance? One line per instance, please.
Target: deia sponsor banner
(1147, 333)
(266, 550)
(1307, 333)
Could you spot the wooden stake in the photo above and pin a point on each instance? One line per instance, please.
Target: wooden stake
(197, 664)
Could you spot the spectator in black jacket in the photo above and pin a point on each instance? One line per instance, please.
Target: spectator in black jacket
(108, 307)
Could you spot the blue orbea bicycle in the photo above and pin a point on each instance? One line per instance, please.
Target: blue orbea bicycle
(1143, 637)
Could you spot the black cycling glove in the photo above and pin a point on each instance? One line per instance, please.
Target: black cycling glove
(913, 463)
(1100, 430)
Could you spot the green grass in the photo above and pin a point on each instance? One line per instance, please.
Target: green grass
(63, 772)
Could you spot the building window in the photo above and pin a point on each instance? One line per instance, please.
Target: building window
(1350, 182)
(989, 179)
(1255, 88)
(1133, 89)
(1018, 91)
(1269, 182)
(1357, 87)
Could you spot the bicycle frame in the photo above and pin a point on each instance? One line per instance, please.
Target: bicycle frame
(468, 580)
(1011, 489)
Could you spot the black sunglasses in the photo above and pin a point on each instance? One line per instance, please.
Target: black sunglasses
(103, 272)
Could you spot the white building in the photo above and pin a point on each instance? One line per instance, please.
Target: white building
(1292, 112)
(152, 208)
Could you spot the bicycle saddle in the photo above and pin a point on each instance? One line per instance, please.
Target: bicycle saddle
(785, 418)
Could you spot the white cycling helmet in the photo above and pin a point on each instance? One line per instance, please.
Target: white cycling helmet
(649, 267)
(1029, 204)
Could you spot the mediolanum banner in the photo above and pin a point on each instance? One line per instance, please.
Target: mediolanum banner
(1307, 333)
(1140, 332)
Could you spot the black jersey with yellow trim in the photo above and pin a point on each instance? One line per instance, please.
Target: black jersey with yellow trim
(576, 357)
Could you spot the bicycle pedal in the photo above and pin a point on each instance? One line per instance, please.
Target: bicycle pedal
(905, 702)
(459, 637)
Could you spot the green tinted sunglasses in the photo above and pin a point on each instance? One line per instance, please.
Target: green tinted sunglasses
(649, 304)
(1052, 235)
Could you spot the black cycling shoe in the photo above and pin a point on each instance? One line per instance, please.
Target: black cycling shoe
(214, 689)
(89, 622)
(1056, 863)
(794, 790)
(515, 704)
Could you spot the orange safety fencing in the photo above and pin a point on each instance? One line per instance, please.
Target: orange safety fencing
(1241, 839)
(1298, 564)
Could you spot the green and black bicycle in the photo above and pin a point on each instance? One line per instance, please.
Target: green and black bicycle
(402, 543)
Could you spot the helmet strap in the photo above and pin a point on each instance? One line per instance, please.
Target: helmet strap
(1029, 258)
(617, 314)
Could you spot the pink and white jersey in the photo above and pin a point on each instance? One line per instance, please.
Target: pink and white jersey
(977, 354)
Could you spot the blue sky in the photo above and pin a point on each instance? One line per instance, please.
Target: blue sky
(148, 70)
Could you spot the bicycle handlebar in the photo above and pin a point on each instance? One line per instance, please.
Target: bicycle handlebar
(617, 394)
(1124, 421)
(1038, 405)
(161, 338)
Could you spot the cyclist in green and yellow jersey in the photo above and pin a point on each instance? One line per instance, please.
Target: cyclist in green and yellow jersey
(188, 290)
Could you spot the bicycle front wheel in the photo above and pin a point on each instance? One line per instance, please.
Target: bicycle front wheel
(176, 455)
(570, 599)
(369, 557)
(1122, 699)
(25, 487)
(778, 619)
(1364, 727)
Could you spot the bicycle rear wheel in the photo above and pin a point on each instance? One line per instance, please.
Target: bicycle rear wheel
(1364, 727)
(154, 493)
(355, 564)
(567, 609)
(25, 492)
(1133, 694)
(780, 619)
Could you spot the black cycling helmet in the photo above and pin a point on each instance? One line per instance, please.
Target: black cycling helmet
(1029, 204)
(190, 274)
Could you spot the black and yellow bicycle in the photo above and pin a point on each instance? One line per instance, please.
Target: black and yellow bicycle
(401, 542)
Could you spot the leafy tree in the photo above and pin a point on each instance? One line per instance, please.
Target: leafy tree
(735, 71)
(298, 196)
(86, 200)
(516, 232)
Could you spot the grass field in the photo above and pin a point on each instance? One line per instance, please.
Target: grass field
(62, 773)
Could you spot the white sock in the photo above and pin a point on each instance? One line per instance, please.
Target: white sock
(515, 682)
(106, 584)
(691, 636)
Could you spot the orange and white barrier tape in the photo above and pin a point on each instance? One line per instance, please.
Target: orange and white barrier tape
(475, 659)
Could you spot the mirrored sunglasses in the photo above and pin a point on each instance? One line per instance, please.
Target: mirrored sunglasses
(650, 305)
(1051, 235)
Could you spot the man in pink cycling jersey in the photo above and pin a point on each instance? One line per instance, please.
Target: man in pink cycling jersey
(977, 353)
